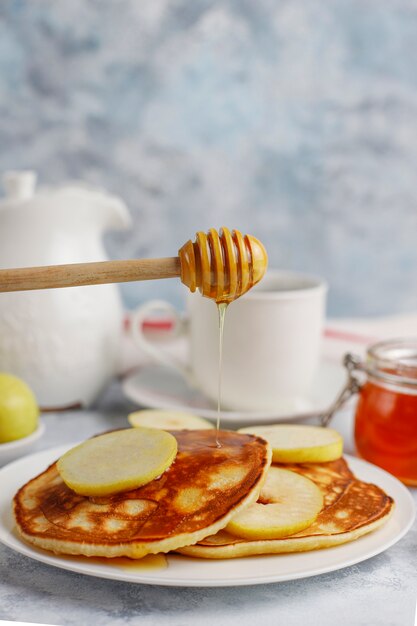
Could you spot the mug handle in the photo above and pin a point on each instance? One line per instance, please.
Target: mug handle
(148, 347)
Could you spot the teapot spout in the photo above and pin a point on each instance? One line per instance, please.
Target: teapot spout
(111, 212)
(116, 215)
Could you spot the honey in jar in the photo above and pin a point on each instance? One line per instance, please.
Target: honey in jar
(386, 413)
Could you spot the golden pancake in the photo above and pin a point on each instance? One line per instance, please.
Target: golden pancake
(195, 497)
(351, 509)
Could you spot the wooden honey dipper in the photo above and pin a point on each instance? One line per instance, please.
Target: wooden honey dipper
(223, 266)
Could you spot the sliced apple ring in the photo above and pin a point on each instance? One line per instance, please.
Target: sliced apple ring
(167, 420)
(117, 461)
(296, 443)
(287, 504)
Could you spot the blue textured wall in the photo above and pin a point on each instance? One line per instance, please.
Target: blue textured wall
(293, 120)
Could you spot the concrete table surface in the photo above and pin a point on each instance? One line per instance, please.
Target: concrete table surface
(381, 590)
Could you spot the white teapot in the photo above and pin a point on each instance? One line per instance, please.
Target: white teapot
(63, 342)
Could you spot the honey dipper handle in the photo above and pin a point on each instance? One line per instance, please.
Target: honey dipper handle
(77, 274)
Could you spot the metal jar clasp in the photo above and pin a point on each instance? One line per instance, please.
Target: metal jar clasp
(353, 385)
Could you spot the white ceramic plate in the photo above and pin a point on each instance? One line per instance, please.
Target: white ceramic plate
(181, 571)
(161, 387)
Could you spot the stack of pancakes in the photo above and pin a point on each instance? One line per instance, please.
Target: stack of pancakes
(188, 506)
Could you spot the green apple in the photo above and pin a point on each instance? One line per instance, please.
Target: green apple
(297, 443)
(19, 411)
(117, 461)
(287, 504)
(167, 420)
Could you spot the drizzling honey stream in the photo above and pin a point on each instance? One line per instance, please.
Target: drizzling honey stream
(221, 308)
(222, 266)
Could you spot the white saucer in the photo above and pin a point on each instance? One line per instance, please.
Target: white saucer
(161, 387)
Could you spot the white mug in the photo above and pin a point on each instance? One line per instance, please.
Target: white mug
(271, 347)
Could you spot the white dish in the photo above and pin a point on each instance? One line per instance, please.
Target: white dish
(161, 387)
(14, 449)
(182, 571)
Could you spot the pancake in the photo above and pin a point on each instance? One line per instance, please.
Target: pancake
(351, 509)
(195, 497)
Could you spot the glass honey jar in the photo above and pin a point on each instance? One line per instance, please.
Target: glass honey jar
(386, 413)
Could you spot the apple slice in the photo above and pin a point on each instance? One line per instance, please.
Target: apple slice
(117, 461)
(288, 503)
(295, 443)
(168, 420)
